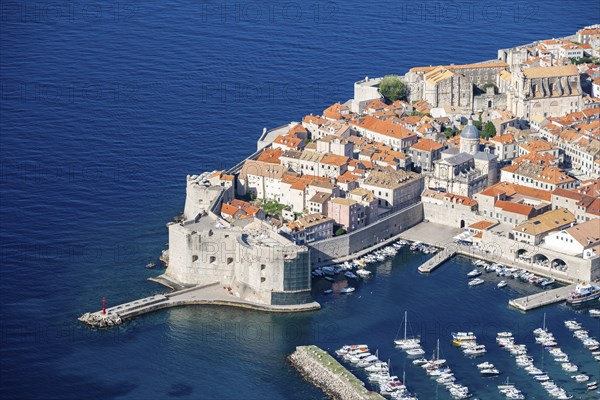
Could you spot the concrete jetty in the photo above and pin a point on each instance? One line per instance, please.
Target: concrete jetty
(542, 299)
(209, 294)
(437, 260)
(319, 368)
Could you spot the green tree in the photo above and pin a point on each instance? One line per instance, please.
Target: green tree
(489, 130)
(392, 88)
(489, 84)
(449, 132)
(339, 231)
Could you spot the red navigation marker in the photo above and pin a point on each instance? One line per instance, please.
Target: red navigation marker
(104, 305)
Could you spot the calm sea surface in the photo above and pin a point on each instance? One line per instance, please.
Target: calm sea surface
(106, 106)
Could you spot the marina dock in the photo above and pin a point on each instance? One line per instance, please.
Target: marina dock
(210, 294)
(437, 260)
(542, 299)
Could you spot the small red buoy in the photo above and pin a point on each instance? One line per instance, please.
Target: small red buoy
(104, 305)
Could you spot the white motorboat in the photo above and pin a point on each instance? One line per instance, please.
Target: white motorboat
(489, 372)
(569, 367)
(474, 273)
(347, 290)
(350, 275)
(415, 352)
(581, 378)
(476, 282)
(501, 284)
(594, 312)
(485, 365)
(363, 272)
(475, 350)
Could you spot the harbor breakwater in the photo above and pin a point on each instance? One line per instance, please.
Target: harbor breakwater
(319, 368)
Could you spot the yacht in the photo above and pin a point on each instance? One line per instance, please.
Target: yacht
(363, 272)
(489, 372)
(475, 350)
(407, 343)
(350, 275)
(594, 312)
(583, 293)
(476, 282)
(474, 273)
(501, 284)
(485, 365)
(418, 351)
(581, 378)
(459, 337)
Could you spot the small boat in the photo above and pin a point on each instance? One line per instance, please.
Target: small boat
(330, 279)
(501, 284)
(363, 272)
(474, 273)
(547, 282)
(350, 275)
(594, 312)
(489, 372)
(475, 350)
(327, 291)
(476, 282)
(347, 290)
(415, 352)
(569, 367)
(150, 265)
(485, 365)
(420, 361)
(581, 378)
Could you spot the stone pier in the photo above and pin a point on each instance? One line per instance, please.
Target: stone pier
(210, 294)
(323, 371)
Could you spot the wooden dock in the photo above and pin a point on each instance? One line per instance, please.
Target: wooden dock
(437, 260)
(542, 299)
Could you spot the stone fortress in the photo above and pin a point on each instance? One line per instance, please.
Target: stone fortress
(248, 257)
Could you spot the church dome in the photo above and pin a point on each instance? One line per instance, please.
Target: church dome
(470, 131)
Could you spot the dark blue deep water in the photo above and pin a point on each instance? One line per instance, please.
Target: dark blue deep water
(106, 106)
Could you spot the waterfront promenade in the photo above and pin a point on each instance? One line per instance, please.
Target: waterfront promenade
(210, 294)
(545, 298)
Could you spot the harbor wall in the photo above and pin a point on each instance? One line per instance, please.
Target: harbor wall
(324, 251)
(323, 371)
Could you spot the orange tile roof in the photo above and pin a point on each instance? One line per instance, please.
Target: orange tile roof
(228, 209)
(507, 138)
(482, 225)
(382, 127)
(538, 145)
(334, 159)
(510, 189)
(376, 105)
(544, 159)
(271, 155)
(298, 128)
(425, 144)
(516, 208)
(292, 142)
(335, 111)
(313, 119)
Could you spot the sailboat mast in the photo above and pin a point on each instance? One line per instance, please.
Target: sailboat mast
(438, 349)
(405, 323)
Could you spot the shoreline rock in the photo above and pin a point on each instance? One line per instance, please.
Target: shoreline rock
(99, 320)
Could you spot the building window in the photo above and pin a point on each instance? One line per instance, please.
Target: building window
(213, 259)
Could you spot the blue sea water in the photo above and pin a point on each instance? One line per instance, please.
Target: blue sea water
(106, 106)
